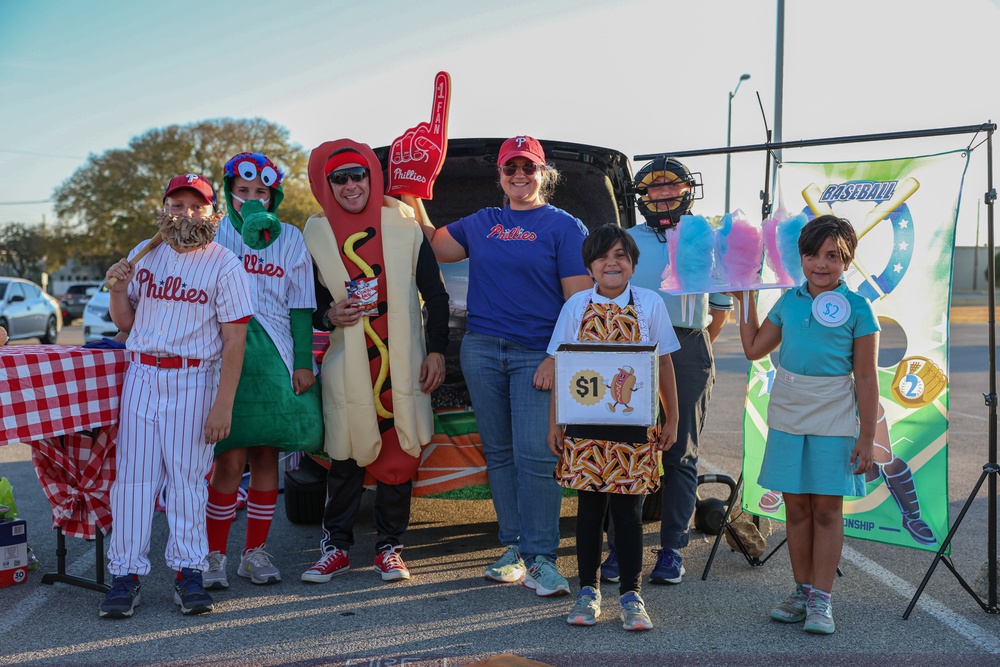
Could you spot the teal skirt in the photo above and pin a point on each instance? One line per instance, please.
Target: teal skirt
(267, 412)
(819, 464)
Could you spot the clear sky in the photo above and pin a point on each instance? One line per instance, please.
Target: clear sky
(79, 78)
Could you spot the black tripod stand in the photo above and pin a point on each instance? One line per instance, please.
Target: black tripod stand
(990, 469)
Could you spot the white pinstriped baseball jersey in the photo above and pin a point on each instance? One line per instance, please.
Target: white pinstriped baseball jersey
(180, 299)
(281, 277)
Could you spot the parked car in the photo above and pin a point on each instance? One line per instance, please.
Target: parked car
(97, 322)
(594, 185)
(26, 311)
(75, 298)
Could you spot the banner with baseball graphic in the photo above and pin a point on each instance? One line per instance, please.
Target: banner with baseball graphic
(904, 211)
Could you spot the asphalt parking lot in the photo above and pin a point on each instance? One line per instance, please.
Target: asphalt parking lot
(447, 614)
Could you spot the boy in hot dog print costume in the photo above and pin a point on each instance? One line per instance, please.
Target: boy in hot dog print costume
(613, 466)
(379, 370)
(277, 406)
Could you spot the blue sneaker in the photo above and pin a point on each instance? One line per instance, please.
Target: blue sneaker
(122, 599)
(609, 568)
(669, 568)
(190, 594)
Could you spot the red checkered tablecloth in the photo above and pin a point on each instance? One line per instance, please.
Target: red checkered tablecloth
(50, 390)
(76, 472)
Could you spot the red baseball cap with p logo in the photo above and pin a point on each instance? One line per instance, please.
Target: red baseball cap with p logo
(521, 146)
(195, 182)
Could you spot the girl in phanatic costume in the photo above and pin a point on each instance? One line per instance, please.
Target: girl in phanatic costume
(378, 372)
(277, 405)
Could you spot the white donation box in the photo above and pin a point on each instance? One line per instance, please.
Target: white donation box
(607, 383)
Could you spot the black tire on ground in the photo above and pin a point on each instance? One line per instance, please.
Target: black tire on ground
(305, 493)
(49, 338)
(652, 506)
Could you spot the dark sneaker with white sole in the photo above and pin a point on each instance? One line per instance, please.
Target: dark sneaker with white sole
(190, 594)
(122, 599)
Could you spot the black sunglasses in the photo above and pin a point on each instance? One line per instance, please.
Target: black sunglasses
(356, 174)
(528, 168)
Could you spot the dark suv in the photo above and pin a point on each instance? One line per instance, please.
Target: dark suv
(75, 299)
(593, 186)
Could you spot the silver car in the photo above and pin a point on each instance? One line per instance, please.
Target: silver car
(97, 322)
(28, 312)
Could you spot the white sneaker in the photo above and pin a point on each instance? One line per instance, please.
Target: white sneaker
(508, 569)
(256, 566)
(215, 576)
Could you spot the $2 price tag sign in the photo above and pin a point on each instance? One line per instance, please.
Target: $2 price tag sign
(606, 383)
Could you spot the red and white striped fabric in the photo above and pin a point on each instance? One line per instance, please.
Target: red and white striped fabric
(76, 472)
(50, 390)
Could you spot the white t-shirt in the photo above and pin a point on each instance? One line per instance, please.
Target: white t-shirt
(567, 329)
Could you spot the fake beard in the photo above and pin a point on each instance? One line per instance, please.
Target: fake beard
(182, 232)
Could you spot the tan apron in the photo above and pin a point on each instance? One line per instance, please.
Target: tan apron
(812, 405)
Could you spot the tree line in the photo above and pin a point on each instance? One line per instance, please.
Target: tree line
(110, 203)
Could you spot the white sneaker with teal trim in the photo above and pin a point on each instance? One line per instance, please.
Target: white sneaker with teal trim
(819, 616)
(543, 577)
(508, 569)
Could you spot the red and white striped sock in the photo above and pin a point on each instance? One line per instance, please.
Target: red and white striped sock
(220, 512)
(260, 511)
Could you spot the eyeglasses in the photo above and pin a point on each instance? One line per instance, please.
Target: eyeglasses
(528, 168)
(356, 174)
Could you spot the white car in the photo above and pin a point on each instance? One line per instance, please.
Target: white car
(28, 312)
(97, 322)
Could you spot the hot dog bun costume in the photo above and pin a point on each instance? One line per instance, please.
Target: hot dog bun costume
(373, 407)
(266, 410)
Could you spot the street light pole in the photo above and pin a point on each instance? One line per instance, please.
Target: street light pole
(729, 133)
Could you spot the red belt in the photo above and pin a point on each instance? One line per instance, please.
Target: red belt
(166, 362)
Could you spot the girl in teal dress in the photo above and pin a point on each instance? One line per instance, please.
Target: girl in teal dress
(822, 410)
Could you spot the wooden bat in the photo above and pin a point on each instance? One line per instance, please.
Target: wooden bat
(153, 242)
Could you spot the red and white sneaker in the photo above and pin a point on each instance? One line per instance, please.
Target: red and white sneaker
(331, 564)
(390, 565)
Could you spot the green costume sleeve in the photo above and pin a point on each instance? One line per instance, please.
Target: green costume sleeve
(302, 337)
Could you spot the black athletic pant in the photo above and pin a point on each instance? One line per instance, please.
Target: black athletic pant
(626, 513)
(344, 486)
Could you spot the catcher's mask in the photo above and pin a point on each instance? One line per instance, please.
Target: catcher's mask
(665, 212)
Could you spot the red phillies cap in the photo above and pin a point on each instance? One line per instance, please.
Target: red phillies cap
(521, 147)
(195, 182)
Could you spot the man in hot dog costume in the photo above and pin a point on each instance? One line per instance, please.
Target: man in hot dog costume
(378, 372)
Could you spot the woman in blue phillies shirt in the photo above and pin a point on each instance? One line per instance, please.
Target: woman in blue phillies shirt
(822, 411)
(525, 260)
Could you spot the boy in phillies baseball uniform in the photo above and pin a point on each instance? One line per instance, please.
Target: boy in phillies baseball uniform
(186, 305)
(277, 404)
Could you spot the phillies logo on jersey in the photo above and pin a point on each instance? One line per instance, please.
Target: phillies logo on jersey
(254, 264)
(512, 234)
(172, 288)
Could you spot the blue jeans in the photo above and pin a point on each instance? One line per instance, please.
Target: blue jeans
(513, 419)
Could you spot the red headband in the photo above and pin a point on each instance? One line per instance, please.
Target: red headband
(340, 159)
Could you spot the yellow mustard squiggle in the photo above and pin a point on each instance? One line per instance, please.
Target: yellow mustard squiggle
(383, 352)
